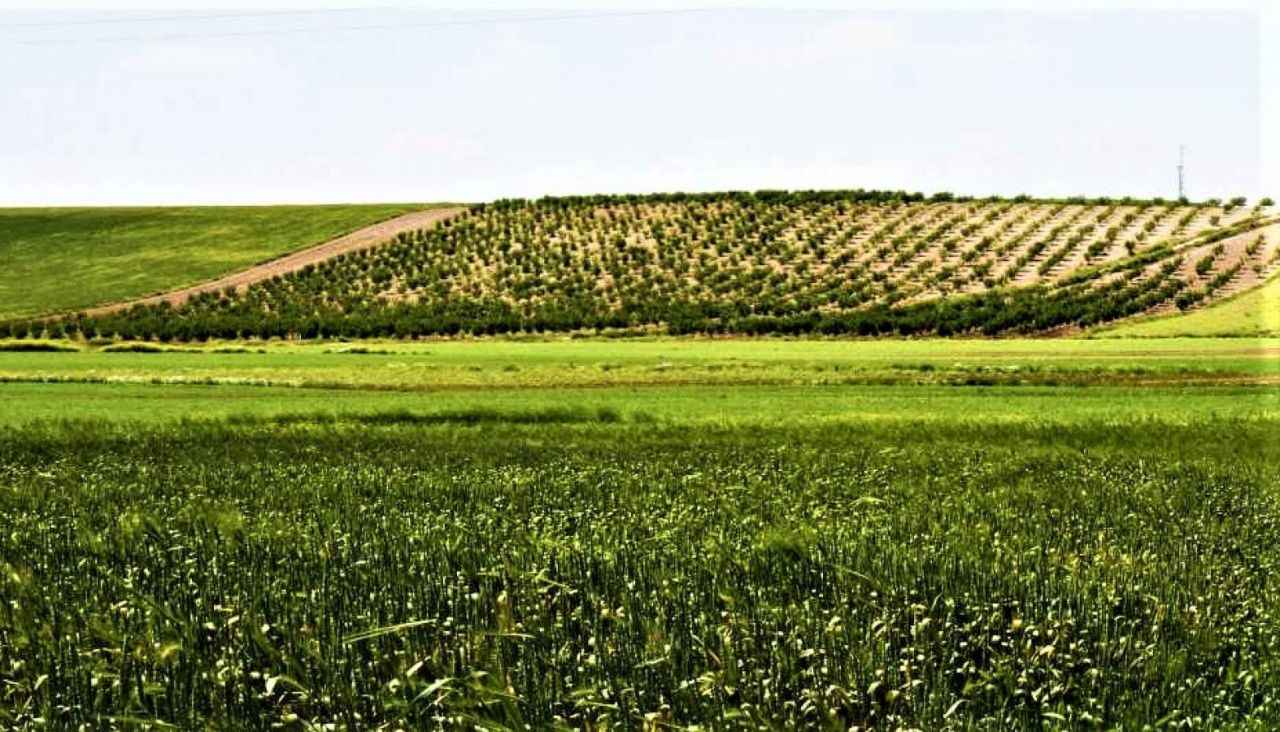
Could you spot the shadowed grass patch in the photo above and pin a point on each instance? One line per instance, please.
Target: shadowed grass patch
(35, 347)
(553, 415)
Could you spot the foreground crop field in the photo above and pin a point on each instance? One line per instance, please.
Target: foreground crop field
(922, 574)
(833, 262)
(640, 534)
(562, 533)
(62, 259)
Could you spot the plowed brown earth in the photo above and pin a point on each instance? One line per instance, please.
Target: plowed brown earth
(364, 238)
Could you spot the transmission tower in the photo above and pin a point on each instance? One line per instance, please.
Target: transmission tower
(1182, 149)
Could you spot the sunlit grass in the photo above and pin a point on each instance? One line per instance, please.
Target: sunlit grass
(61, 259)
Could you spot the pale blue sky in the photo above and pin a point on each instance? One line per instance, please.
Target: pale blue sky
(323, 107)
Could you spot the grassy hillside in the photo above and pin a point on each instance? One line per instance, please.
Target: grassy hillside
(1255, 313)
(60, 259)
(837, 262)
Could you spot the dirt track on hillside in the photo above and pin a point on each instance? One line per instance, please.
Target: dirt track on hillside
(369, 236)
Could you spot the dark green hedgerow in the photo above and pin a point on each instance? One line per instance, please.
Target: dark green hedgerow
(575, 575)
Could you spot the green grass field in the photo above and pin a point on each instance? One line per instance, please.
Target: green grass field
(904, 574)
(1251, 314)
(61, 259)
(634, 533)
(462, 364)
(665, 379)
(706, 404)
(641, 533)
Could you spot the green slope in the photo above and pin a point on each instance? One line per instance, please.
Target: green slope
(1254, 313)
(58, 259)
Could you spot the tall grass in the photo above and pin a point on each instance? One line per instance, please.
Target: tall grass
(582, 574)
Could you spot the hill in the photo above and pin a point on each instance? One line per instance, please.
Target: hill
(62, 259)
(836, 262)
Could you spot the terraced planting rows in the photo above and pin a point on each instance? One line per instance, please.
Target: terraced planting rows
(818, 262)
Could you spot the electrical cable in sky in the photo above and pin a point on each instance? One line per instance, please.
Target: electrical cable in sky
(359, 28)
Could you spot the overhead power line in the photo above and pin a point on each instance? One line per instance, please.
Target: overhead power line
(166, 18)
(360, 28)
